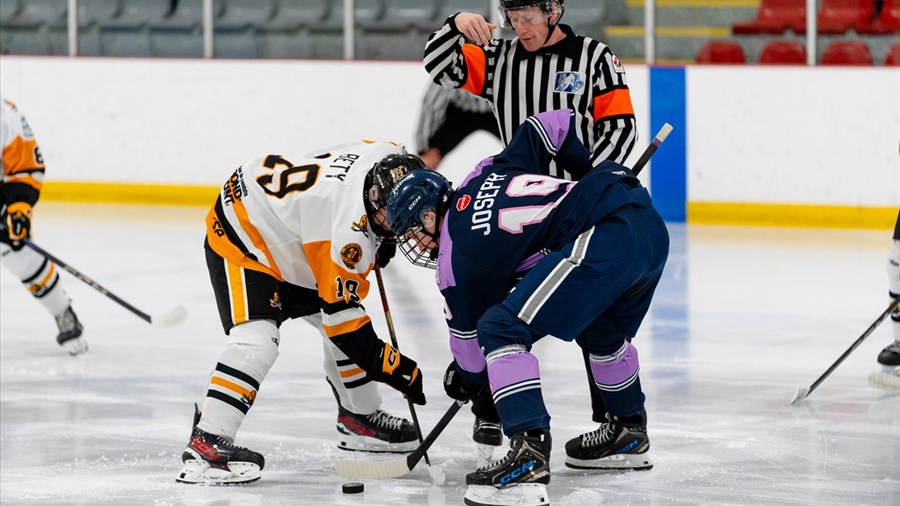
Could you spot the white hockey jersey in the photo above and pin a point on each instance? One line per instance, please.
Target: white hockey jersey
(301, 219)
(23, 164)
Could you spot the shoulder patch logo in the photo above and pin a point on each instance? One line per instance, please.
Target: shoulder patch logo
(351, 254)
(569, 82)
(463, 202)
(617, 65)
(362, 225)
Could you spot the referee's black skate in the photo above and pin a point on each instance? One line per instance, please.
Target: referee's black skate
(378, 432)
(212, 460)
(70, 330)
(519, 478)
(620, 443)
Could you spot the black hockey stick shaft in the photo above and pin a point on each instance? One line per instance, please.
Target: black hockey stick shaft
(654, 145)
(853, 346)
(390, 326)
(146, 317)
(413, 458)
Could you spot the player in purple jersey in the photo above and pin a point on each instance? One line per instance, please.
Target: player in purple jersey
(521, 255)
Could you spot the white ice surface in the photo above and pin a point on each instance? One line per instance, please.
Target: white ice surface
(742, 319)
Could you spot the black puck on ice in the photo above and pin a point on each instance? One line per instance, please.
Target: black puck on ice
(352, 488)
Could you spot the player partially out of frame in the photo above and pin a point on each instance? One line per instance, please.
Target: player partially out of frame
(521, 255)
(296, 237)
(889, 358)
(20, 187)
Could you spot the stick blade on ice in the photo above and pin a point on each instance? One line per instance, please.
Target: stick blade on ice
(800, 395)
(169, 318)
(371, 470)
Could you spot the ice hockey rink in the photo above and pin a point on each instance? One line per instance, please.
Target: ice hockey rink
(743, 317)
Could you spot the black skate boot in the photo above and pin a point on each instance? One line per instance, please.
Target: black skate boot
(69, 336)
(518, 478)
(487, 436)
(888, 379)
(211, 459)
(617, 444)
(379, 432)
(890, 356)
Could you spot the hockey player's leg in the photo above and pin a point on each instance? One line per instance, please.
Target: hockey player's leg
(522, 475)
(211, 456)
(41, 279)
(361, 424)
(888, 378)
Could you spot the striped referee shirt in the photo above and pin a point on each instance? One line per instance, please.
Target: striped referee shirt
(577, 73)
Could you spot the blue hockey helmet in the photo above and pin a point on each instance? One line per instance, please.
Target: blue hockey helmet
(413, 196)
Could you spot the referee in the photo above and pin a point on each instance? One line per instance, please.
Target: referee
(545, 67)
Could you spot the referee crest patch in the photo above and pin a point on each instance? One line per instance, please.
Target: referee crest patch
(569, 82)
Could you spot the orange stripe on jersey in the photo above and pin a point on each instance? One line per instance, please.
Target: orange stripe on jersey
(236, 285)
(327, 272)
(346, 327)
(255, 236)
(219, 243)
(476, 62)
(615, 102)
(351, 372)
(19, 155)
(231, 386)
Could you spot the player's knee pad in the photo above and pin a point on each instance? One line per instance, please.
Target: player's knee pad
(24, 263)
(499, 327)
(253, 347)
(617, 371)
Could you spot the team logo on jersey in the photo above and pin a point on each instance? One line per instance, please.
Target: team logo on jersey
(569, 82)
(617, 65)
(351, 254)
(463, 202)
(362, 225)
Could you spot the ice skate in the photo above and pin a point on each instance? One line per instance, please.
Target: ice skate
(519, 478)
(69, 336)
(888, 379)
(379, 432)
(487, 436)
(213, 460)
(614, 445)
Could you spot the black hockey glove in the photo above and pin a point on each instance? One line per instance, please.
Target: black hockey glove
(401, 373)
(454, 386)
(18, 224)
(385, 253)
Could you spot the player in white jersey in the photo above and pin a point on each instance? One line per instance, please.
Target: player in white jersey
(20, 187)
(296, 237)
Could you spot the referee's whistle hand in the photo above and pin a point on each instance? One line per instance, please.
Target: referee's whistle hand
(474, 27)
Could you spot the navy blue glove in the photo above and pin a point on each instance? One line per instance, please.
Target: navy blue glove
(456, 388)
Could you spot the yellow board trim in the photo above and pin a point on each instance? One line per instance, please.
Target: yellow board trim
(118, 193)
(791, 215)
(671, 31)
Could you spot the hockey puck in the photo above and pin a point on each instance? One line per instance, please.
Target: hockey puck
(353, 488)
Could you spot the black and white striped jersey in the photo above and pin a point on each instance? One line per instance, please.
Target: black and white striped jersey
(577, 73)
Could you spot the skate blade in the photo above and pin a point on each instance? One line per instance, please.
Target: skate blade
(629, 462)
(889, 381)
(199, 472)
(75, 346)
(372, 445)
(485, 453)
(524, 494)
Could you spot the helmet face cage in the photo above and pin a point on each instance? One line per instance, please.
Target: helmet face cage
(514, 5)
(417, 193)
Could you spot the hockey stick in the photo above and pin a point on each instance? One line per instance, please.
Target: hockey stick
(802, 393)
(385, 469)
(654, 145)
(437, 474)
(171, 317)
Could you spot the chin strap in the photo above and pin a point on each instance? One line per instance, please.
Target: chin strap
(552, 28)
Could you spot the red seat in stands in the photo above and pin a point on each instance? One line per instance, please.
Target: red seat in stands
(886, 22)
(847, 52)
(838, 16)
(775, 16)
(783, 52)
(721, 52)
(893, 55)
